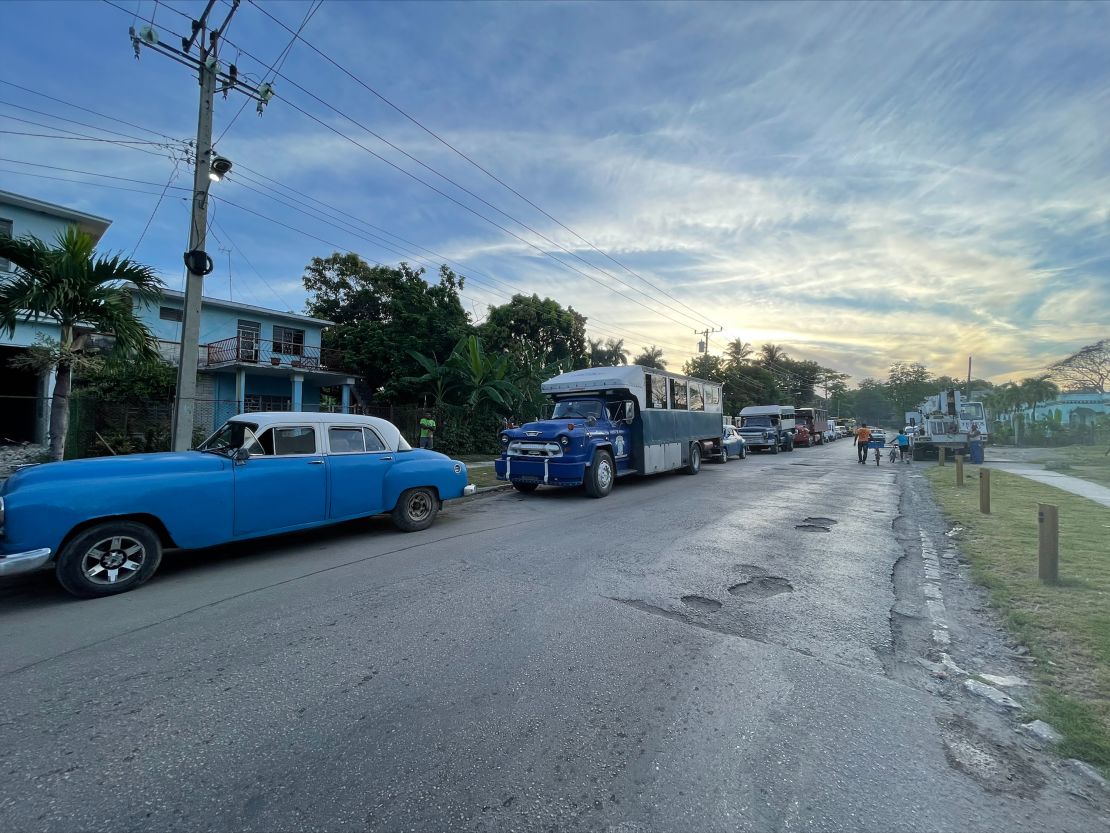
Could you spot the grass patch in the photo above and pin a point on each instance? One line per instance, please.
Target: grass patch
(1065, 626)
(483, 476)
(1087, 461)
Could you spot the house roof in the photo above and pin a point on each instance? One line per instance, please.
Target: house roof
(240, 307)
(89, 223)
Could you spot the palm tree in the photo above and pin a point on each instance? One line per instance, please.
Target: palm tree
(651, 357)
(738, 351)
(771, 354)
(1038, 389)
(84, 293)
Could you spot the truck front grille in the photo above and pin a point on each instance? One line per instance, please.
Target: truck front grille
(534, 448)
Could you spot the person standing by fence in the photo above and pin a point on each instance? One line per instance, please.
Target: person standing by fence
(427, 430)
(863, 438)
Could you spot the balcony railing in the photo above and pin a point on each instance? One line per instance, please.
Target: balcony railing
(249, 350)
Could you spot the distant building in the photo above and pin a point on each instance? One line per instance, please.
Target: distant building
(251, 358)
(1071, 408)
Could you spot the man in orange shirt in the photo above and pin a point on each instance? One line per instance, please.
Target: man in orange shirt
(863, 437)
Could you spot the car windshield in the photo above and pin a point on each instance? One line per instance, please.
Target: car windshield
(230, 436)
(581, 408)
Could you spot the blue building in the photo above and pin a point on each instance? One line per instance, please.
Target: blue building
(1071, 408)
(251, 358)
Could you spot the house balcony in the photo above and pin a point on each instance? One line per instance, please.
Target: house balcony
(240, 351)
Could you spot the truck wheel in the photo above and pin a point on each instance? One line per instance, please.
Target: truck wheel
(775, 448)
(599, 478)
(724, 455)
(525, 487)
(694, 466)
(415, 509)
(108, 558)
(789, 445)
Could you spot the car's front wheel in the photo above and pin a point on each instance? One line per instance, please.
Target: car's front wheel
(109, 558)
(415, 509)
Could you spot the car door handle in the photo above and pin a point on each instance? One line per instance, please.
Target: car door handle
(316, 462)
(387, 458)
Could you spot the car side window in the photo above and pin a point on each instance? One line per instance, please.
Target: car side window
(346, 441)
(295, 440)
(373, 441)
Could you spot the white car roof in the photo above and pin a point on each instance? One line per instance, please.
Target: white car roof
(264, 419)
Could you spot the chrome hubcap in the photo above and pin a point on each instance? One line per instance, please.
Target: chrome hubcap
(420, 506)
(113, 560)
(604, 474)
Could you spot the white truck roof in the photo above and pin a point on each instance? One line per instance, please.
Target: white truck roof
(763, 410)
(628, 377)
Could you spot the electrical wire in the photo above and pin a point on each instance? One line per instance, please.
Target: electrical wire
(157, 205)
(297, 35)
(80, 181)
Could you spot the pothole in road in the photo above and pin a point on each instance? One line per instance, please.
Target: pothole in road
(819, 521)
(761, 587)
(811, 527)
(701, 603)
(997, 768)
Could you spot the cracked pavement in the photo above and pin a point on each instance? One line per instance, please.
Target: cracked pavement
(748, 649)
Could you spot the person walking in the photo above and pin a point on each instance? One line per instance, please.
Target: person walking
(903, 443)
(427, 430)
(863, 440)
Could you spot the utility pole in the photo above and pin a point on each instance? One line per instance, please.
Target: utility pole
(209, 75)
(703, 346)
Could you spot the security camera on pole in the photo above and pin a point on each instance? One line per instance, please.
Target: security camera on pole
(208, 168)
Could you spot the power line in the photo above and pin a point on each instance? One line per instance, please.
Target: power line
(247, 260)
(297, 35)
(157, 205)
(278, 63)
(80, 181)
(87, 173)
(697, 319)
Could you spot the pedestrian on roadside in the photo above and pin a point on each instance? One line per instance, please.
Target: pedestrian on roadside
(975, 443)
(863, 439)
(427, 430)
(903, 443)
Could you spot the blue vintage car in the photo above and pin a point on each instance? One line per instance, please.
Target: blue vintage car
(102, 523)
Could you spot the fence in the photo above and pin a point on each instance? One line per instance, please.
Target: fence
(99, 427)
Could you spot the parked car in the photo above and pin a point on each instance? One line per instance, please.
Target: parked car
(102, 523)
(830, 435)
(802, 436)
(878, 435)
(733, 444)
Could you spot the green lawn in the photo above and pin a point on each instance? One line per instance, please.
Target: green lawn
(1086, 461)
(483, 476)
(1067, 626)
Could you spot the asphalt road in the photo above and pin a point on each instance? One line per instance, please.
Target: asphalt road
(677, 656)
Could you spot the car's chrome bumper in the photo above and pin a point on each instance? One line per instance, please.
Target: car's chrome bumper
(469, 489)
(23, 562)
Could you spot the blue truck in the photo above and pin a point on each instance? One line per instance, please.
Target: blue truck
(609, 422)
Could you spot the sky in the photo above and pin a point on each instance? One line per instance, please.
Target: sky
(860, 183)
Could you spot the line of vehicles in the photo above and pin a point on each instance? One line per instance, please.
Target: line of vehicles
(613, 422)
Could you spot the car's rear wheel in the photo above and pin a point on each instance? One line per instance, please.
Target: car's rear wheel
(109, 558)
(694, 465)
(724, 454)
(415, 509)
(525, 487)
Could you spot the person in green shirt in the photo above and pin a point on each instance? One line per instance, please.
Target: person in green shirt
(427, 430)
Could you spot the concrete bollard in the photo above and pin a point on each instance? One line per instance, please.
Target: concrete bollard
(940, 455)
(985, 491)
(960, 470)
(1048, 542)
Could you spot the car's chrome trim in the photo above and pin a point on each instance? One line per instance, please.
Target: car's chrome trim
(23, 562)
(469, 489)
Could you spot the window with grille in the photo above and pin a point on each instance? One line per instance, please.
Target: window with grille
(254, 402)
(288, 342)
(5, 231)
(170, 314)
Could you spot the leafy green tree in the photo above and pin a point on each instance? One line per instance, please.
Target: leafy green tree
(907, 385)
(382, 315)
(870, 402)
(651, 357)
(771, 354)
(705, 366)
(85, 293)
(536, 329)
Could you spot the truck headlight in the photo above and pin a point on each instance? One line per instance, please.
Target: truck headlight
(504, 439)
(564, 440)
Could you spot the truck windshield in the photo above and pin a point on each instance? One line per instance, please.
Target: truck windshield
(581, 408)
(756, 422)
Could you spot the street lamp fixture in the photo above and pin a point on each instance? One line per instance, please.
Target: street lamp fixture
(219, 169)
